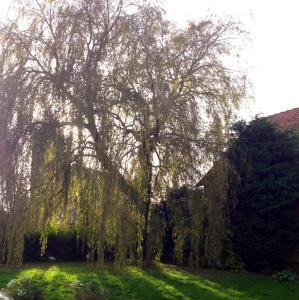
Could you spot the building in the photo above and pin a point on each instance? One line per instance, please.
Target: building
(288, 120)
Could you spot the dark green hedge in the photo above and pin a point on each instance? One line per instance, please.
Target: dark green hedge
(63, 246)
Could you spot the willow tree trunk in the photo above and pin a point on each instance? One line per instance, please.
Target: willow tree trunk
(147, 203)
(147, 194)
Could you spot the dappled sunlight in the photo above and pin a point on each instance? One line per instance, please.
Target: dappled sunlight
(55, 280)
(168, 291)
(38, 272)
(113, 280)
(219, 290)
(171, 275)
(49, 274)
(152, 283)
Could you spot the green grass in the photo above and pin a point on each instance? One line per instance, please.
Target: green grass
(160, 282)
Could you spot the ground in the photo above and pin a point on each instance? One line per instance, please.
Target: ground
(159, 282)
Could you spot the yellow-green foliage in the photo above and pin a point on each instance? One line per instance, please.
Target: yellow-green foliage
(218, 247)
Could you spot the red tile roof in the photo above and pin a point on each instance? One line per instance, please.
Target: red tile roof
(287, 119)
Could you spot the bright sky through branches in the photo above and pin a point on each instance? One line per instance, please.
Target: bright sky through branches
(273, 54)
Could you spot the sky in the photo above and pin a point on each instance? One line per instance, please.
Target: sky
(271, 56)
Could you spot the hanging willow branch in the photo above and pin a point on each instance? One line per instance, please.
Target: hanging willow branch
(103, 110)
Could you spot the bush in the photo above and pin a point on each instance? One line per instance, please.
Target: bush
(24, 289)
(89, 290)
(284, 276)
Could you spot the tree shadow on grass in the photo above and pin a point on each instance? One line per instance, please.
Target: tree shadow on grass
(224, 285)
(154, 284)
(183, 286)
(134, 283)
(159, 282)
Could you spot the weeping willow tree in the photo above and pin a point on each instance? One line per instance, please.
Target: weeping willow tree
(221, 198)
(197, 221)
(105, 106)
(184, 218)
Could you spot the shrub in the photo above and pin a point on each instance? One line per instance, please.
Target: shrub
(24, 289)
(89, 290)
(284, 276)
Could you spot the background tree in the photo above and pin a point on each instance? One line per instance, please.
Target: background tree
(265, 221)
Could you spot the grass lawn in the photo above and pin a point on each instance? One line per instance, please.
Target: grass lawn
(160, 282)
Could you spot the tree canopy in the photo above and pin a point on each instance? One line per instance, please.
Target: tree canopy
(105, 105)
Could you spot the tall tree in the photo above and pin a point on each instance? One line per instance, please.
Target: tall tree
(172, 85)
(138, 95)
(265, 220)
